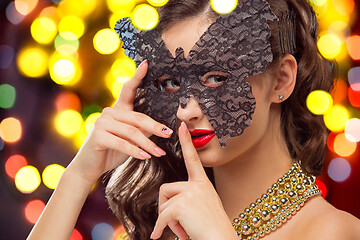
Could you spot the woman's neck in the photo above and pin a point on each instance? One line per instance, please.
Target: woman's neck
(243, 180)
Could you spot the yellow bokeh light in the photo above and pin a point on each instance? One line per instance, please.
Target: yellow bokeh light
(123, 67)
(340, 29)
(318, 2)
(116, 17)
(106, 41)
(64, 71)
(343, 147)
(223, 6)
(10, 130)
(158, 3)
(27, 179)
(25, 6)
(68, 122)
(344, 7)
(52, 174)
(119, 6)
(336, 118)
(80, 137)
(145, 17)
(65, 46)
(318, 102)
(329, 45)
(32, 62)
(116, 88)
(73, 25)
(43, 30)
(89, 122)
(79, 8)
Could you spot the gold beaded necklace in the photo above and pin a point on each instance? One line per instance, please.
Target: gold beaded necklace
(283, 200)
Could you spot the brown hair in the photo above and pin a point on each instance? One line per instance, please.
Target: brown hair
(133, 188)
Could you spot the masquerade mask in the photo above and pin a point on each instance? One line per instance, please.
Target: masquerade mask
(236, 45)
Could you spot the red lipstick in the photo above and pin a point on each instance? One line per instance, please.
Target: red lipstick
(200, 137)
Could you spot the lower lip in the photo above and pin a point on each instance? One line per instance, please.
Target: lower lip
(203, 140)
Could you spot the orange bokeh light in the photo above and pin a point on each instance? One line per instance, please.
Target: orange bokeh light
(339, 93)
(343, 147)
(330, 140)
(67, 100)
(10, 130)
(354, 95)
(76, 235)
(33, 210)
(344, 7)
(14, 164)
(352, 44)
(25, 6)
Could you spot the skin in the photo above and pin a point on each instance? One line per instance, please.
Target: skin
(194, 207)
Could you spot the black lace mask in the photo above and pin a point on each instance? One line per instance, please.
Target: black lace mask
(235, 44)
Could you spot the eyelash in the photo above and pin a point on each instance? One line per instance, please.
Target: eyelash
(216, 76)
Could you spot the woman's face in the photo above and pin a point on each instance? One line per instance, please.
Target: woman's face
(185, 34)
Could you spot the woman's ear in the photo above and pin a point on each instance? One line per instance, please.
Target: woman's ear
(285, 79)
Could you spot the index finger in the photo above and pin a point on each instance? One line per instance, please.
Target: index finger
(193, 164)
(128, 91)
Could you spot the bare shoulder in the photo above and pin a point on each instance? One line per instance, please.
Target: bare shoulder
(321, 220)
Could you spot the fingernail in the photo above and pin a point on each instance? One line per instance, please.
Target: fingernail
(160, 151)
(145, 155)
(142, 63)
(167, 131)
(184, 128)
(151, 236)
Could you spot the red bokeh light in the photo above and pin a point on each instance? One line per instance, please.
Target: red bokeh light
(322, 187)
(76, 235)
(13, 165)
(354, 95)
(33, 210)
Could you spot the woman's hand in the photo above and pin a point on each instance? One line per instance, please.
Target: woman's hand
(118, 133)
(192, 208)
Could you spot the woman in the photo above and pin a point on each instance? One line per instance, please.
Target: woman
(231, 99)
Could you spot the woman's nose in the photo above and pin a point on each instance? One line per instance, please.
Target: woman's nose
(191, 112)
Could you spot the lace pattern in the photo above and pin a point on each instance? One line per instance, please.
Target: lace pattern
(236, 44)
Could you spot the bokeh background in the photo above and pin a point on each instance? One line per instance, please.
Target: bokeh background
(61, 63)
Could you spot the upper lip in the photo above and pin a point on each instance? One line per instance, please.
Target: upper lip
(198, 132)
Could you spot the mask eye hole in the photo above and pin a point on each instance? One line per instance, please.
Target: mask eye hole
(214, 79)
(167, 84)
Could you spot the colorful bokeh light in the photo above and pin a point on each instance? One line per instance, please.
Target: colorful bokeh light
(43, 30)
(32, 62)
(33, 210)
(106, 41)
(89, 122)
(343, 147)
(158, 3)
(102, 231)
(14, 164)
(145, 17)
(67, 100)
(71, 24)
(52, 174)
(352, 45)
(27, 179)
(339, 169)
(10, 130)
(352, 130)
(223, 6)
(121, 6)
(318, 102)
(336, 118)
(123, 67)
(7, 96)
(68, 122)
(25, 6)
(329, 45)
(76, 235)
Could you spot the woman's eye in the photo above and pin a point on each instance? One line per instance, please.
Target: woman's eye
(214, 79)
(169, 85)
